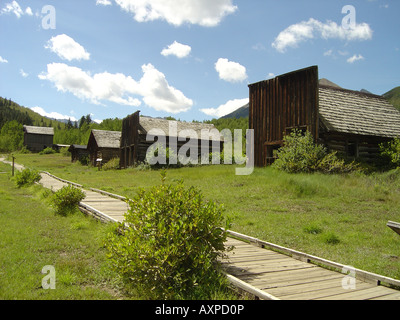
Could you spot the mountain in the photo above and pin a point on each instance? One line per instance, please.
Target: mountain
(393, 96)
(242, 112)
(365, 91)
(326, 82)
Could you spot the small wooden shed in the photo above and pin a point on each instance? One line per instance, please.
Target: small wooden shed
(136, 136)
(103, 145)
(352, 123)
(78, 152)
(355, 123)
(37, 139)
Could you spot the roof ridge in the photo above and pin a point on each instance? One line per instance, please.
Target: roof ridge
(352, 91)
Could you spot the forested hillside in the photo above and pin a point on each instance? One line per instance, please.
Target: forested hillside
(394, 97)
(9, 111)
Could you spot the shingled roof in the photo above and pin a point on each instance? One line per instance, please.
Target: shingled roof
(107, 139)
(147, 123)
(39, 130)
(359, 113)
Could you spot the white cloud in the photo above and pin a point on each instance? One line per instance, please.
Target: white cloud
(103, 2)
(67, 48)
(14, 7)
(208, 13)
(28, 11)
(230, 71)
(2, 60)
(177, 49)
(158, 94)
(311, 29)
(343, 53)
(101, 86)
(226, 108)
(355, 58)
(118, 88)
(53, 115)
(23, 73)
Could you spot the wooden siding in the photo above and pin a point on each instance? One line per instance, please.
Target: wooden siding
(364, 148)
(37, 142)
(129, 141)
(280, 105)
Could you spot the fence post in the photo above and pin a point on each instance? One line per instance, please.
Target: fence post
(13, 158)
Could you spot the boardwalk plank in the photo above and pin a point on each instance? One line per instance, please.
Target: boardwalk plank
(363, 294)
(329, 293)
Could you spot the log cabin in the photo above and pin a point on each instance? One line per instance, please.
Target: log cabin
(353, 123)
(103, 145)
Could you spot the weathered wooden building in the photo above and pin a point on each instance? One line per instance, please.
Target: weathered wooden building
(350, 122)
(103, 145)
(78, 152)
(139, 133)
(38, 138)
(355, 123)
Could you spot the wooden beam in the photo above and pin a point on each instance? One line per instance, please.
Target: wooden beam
(250, 289)
(395, 226)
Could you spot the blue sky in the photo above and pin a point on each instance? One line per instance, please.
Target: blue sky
(190, 59)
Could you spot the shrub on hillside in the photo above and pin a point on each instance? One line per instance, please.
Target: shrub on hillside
(168, 245)
(301, 154)
(66, 199)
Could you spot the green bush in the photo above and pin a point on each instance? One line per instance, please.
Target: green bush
(47, 151)
(168, 245)
(84, 160)
(113, 164)
(26, 177)
(301, 154)
(391, 151)
(66, 199)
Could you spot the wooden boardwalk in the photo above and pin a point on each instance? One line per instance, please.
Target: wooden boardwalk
(265, 270)
(276, 276)
(102, 205)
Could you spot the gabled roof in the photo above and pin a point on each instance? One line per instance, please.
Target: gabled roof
(106, 139)
(359, 113)
(194, 129)
(39, 130)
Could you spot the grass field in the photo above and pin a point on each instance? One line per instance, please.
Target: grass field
(340, 218)
(33, 236)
